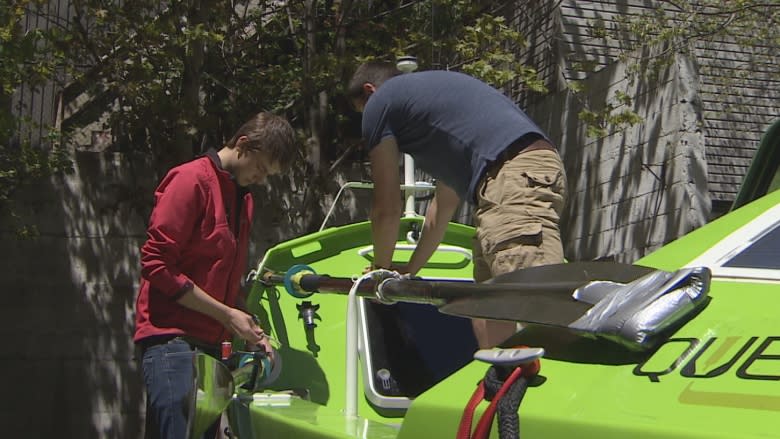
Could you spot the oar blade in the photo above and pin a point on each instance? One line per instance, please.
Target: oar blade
(574, 272)
(540, 295)
(529, 307)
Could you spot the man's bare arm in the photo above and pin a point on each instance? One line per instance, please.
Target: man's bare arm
(235, 320)
(386, 204)
(443, 206)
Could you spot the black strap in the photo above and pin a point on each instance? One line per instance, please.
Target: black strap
(509, 404)
(154, 340)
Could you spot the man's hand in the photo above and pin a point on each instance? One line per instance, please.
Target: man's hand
(244, 326)
(264, 345)
(441, 210)
(236, 321)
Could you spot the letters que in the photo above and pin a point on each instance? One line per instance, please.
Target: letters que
(753, 351)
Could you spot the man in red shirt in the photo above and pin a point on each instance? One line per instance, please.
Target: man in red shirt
(193, 260)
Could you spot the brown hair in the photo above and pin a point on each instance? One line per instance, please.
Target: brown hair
(268, 132)
(372, 72)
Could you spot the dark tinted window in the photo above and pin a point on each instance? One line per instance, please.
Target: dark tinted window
(764, 253)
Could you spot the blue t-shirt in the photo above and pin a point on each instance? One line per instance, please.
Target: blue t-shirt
(453, 125)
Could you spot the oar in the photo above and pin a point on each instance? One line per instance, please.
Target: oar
(541, 295)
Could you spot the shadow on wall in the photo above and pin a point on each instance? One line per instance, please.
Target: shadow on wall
(71, 314)
(70, 293)
(637, 188)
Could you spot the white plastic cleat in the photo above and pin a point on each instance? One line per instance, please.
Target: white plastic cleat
(509, 357)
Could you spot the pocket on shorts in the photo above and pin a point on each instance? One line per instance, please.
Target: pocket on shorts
(516, 258)
(548, 178)
(495, 238)
(540, 178)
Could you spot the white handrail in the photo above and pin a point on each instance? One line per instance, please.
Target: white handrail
(442, 248)
(351, 379)
(420, 186)
(350, 406)
(409, 210)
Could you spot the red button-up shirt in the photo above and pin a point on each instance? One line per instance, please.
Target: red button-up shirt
(198, 234)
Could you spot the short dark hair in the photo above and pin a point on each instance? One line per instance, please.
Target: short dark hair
(372, 72)
(268, 132)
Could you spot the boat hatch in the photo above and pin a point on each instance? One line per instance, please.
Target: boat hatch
(407, 348)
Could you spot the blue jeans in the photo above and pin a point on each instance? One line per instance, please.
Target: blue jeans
(169, 375)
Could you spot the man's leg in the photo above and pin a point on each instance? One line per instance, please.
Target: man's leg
(489, 333)
(517, 213)
(169, 376)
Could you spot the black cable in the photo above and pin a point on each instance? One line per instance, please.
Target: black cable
(508, 418)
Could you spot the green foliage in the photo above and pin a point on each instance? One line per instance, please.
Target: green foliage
(265, 55)
(168, 78)
(26, 58)
(615, 115)
(489, 48)
(674, 27)
(173, 77)
(594, 122)
(741, 25)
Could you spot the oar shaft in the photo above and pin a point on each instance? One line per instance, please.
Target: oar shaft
(314, 283)
(441, 292)
(327, 284)
(425, 291)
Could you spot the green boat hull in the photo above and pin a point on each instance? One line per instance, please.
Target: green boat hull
(717, 376)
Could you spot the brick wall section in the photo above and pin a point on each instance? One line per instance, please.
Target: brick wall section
(539, 23)
(40, 106)
(728, 119)
(738, 105)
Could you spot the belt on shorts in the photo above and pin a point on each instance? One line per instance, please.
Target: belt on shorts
(154, 340)
(527, 143)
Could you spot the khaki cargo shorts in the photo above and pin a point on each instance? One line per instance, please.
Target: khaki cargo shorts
(518, 209)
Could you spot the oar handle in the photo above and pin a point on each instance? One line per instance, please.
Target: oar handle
(301, 281)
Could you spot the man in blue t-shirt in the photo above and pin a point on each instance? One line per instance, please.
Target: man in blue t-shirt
(479, 146)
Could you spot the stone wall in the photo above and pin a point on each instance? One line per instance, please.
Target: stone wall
(69, 294)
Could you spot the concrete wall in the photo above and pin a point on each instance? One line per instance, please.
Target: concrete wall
(69, 294)
(633, 190)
